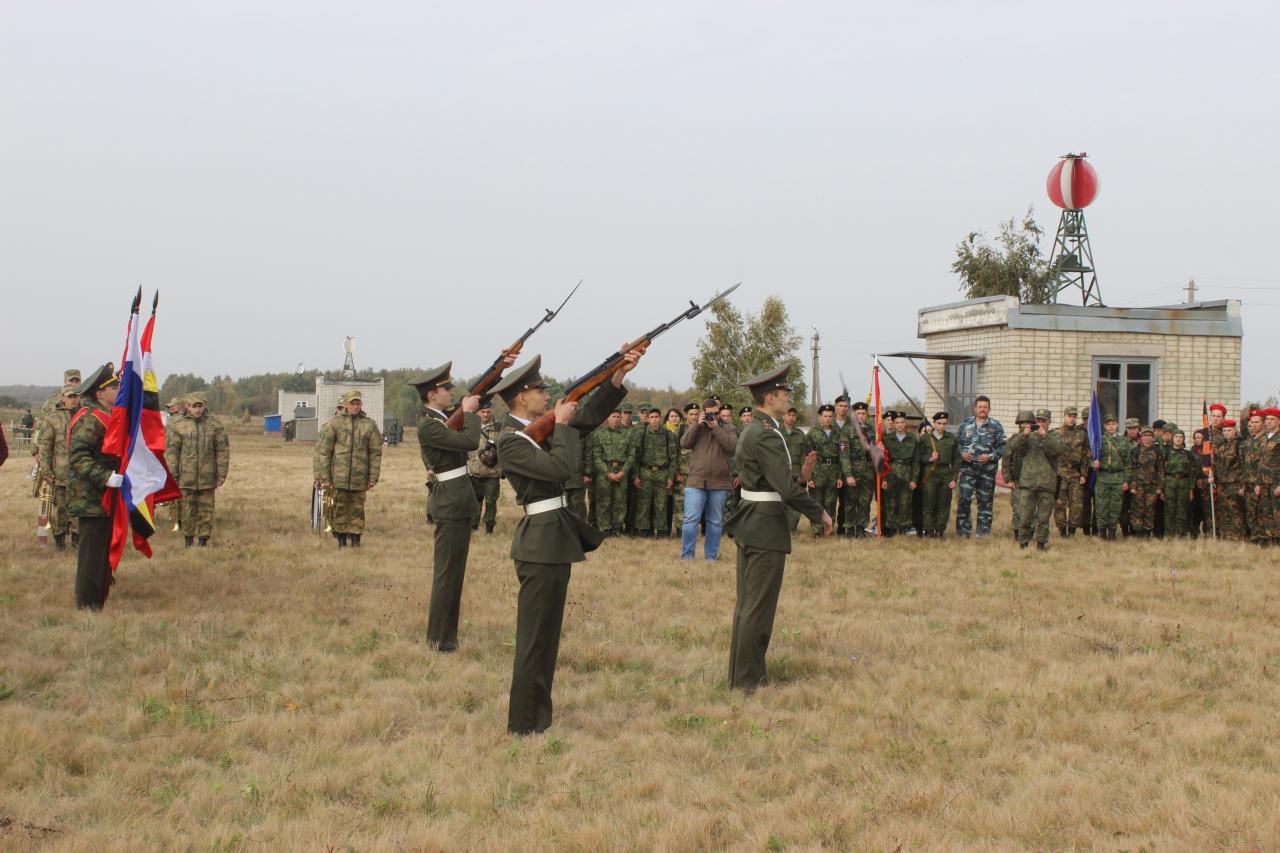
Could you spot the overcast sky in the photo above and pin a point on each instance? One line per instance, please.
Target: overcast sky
(427, 177)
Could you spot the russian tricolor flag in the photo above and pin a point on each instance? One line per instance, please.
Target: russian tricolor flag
(136, 434)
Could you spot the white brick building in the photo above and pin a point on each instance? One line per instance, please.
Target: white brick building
(1147, 363)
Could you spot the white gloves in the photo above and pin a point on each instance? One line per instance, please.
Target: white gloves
(115, 481)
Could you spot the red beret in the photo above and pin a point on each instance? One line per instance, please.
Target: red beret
(1271, 413)
(1255, 413)
(1227, 422)
(1218, 407)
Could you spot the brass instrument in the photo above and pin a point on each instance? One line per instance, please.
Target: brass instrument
(46, 510)
(321, 510)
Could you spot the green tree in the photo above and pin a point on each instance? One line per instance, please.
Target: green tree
(1012, 267)
(740, 345)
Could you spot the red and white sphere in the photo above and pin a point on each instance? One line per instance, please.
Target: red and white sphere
(1072, 183)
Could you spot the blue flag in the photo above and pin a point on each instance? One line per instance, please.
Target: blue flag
(1095, 434)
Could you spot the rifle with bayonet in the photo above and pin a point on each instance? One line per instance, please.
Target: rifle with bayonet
(494, 373)
(540, 429)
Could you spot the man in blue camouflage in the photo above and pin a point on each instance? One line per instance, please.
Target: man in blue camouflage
(981, 441)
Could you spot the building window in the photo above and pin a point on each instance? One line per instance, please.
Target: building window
(1126, 387)
(962, 388)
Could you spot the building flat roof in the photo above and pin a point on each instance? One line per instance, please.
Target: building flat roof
(1217, 318)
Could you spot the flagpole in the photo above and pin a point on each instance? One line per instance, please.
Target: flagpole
(875, 384)
(1213, 508)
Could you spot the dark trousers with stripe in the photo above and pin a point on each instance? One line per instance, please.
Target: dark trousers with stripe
(759, 584)
(453, 542)
(544, 588)
(93, 569)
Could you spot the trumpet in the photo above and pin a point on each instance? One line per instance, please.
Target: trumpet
(321, 509)
(46, 510)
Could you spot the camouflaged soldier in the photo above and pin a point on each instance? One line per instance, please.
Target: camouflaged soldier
(692, 414)
(611, 460)
(1132, 438)
(69, 377)
(1179, 475)
(198, 456)
(348, 459)
(981, 439)
(177, 409)
(1073, 474)
(1112, 466)
(795, 439)
(1262, 475)
(1011, 471)
(1146, 484)
(655, 456)
(900, 450)
(1040, 449)
(827, 477)
(55, 467)
(1228, 500)
(92, 473)
(937, 464)
(482, 468)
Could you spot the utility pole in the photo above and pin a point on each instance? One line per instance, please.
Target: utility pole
(816, 399)
(1191, 291)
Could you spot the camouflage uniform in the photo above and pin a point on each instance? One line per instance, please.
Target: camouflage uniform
(174, 507)
(611, 455)
(1228, 505)
(1038, 480)
(54, 466)
(896, 489)
(935, 478)
(1011, 470)
(682, 474)
(1113, 472)
(1146, 478)
(977, 479)
(198, 456)
(830, 466)
(1179, 475)
(1258, 473)
(1128, 442)
(349, 456)
(1074, 463)
(485, 479)
(655, 458)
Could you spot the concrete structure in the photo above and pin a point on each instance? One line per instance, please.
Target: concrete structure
(1146, 362)
(287, 402)
(329, 393)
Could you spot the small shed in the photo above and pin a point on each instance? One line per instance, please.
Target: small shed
(329, 394)
(271, 423)
(288, 402)
(1146, 363)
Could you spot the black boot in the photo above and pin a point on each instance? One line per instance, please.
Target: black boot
(75, 540)
(1042, 546)
(204, 541)
(342, 539)
(1071, 531)
(355, 540)
(60, 541)
(190, 540)
(488, 528)
(1023, 544)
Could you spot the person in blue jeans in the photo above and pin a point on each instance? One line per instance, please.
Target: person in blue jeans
(711, 444)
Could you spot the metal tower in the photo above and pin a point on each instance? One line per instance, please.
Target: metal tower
(1072, 185)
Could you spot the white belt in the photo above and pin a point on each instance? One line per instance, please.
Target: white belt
(748, 495)
(452, 475)
(545, 506)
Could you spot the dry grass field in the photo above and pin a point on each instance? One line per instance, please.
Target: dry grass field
(273, 693)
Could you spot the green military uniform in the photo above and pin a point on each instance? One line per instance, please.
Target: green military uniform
(485, 477)
(864, 478)
(1011, 470)
(348, 456)
(676, 510)
(1073, 464)
(830, 466)
(900, 451)
(1113, 472)
(655, 457)
(612, 456)
(90, 472)
(1260, 464)
(1146, 481)
(1128, 443)
(1180, 470)
(199, 457)
(936, 477)
(761, 532)
(1038, 480)
(797, 447)
(54, 466)
(631, 424)
(1228, 506)
(547, 540)
(174, 507)
(452, 504)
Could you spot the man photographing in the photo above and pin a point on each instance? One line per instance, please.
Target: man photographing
(711, 443)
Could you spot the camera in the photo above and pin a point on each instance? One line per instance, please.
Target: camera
(710, 418)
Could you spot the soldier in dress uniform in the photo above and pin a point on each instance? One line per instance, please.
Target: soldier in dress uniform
(548, 538)
(92, 473)
(760, 528)
(452, 502)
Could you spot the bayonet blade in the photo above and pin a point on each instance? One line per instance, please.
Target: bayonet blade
(551, 315)
(719, 297)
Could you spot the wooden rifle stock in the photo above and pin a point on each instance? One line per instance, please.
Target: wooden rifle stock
(487, 381)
